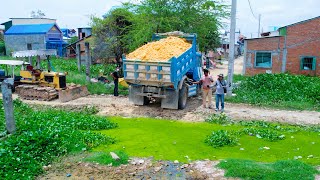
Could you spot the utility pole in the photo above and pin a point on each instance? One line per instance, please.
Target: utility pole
(231, 47)
(259, 26)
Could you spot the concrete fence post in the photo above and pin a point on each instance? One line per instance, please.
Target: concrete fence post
(6, 88)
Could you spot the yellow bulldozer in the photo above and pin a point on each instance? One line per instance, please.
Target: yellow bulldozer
(38, 84)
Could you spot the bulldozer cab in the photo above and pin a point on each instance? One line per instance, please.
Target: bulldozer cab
(9, 65)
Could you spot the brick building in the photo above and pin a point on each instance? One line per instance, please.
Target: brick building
(295, 49)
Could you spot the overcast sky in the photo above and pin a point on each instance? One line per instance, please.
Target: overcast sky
(75, 13)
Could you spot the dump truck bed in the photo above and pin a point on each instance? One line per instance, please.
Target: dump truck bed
(159, 73)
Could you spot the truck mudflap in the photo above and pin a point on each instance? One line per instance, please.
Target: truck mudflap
(73, 92)
(133, 91)
(171, 100)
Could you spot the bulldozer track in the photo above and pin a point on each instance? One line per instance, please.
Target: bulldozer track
(33, 92)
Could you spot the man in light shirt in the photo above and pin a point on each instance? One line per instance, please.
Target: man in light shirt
(206, 81)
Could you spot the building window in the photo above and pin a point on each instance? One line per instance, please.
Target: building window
(308, 63)
(263, 59)
(29, 46)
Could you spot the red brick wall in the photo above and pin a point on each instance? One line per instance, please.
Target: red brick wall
(273, 44)
(303, 39)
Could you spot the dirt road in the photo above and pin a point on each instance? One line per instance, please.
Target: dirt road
(120, 106)
(223, 68)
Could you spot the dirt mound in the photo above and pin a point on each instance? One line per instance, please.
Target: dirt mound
(161, 50)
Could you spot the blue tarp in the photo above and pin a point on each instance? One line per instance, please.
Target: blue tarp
(29, 29)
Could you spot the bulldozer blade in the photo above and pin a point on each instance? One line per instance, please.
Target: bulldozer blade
(73, 92)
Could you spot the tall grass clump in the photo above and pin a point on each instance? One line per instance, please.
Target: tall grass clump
(280, 90)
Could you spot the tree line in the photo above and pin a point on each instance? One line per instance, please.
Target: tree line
(125, 28)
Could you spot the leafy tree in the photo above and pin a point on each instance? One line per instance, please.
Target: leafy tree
(73, 40)
(124, 29)
(2, 45)
(191, 16)
(109, 33)
(37, 14)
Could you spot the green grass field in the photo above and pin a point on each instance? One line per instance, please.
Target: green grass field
(74, 76)
(173, 140)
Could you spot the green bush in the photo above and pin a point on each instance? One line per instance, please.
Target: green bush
(42, 136)
(221, 138)
(287, 169)
(2, 47)
(267, 134)
(280, 90)
(221, 118)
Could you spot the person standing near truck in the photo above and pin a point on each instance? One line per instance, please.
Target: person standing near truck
(206, 81)
(115, 76)
(220, 90)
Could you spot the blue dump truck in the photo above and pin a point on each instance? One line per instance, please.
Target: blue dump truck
(170, 82)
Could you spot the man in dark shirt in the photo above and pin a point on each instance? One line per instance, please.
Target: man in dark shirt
(115, 76)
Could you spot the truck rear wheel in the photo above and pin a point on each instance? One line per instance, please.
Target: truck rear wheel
(146, 101)
(183, 96)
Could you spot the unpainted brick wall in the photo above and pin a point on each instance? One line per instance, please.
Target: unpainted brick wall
(303, 39)
(273, 45)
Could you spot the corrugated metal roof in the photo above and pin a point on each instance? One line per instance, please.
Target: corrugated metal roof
(29, 29)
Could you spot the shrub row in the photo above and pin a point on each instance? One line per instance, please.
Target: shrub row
(42, 136)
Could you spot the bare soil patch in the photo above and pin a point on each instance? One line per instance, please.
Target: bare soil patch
(74, 168)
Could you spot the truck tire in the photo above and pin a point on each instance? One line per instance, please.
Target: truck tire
(146, 101)
(183, 96)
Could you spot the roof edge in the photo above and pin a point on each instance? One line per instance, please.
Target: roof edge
(300, 22)
(263, 37)
(34, 18)
(10, 34)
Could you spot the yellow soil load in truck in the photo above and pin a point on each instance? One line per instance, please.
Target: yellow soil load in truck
(161, 50)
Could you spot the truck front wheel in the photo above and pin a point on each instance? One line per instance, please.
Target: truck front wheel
(183, 96)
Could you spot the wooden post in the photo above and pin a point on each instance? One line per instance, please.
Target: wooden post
(78, 52)
(38, 62)
(30, 60)
(88, 59)
(6, 88)
(49, 65)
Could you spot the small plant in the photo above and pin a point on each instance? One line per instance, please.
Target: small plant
(219, 119)
(105, 158)
(90, 110)
(221, 138)
(267, 134)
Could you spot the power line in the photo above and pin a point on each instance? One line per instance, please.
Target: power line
(251, 9)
